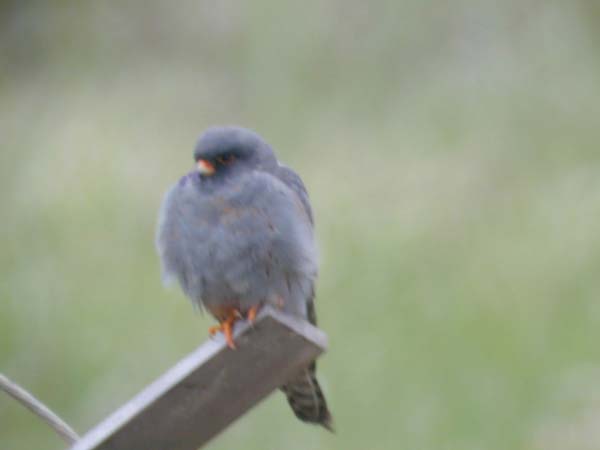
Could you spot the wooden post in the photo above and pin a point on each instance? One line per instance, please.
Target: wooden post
(211, 387)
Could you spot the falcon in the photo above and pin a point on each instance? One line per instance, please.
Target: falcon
(237, 233)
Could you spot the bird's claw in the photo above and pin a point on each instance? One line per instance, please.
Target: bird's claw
(225, 325)
(252, 312)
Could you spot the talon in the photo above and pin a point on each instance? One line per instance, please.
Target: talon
(228, 331)
(214, 329)
(252, 312)
(226, 322)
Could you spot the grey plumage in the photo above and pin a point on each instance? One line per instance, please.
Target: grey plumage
(243, 236)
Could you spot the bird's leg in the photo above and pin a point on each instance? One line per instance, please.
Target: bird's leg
(225, 326)
(227, 318)
(280, 302)
(251, 315)
(228, 331)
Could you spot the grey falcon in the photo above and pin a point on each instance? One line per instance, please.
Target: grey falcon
(237, 233)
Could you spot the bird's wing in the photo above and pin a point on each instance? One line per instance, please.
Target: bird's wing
(292, 180)
(303, 391)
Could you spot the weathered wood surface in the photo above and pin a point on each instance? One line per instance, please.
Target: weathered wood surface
(210, 388)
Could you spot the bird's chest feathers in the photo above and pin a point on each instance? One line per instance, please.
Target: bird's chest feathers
(222, 229)
(239, 241)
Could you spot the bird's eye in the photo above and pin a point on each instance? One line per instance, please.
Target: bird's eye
(225, 159)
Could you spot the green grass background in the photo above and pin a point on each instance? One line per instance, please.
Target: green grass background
(451, 150)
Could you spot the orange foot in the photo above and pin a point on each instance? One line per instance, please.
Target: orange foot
(251, 316)
(226, 326)
(227, 318)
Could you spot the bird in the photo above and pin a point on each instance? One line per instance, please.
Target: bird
(237, 233)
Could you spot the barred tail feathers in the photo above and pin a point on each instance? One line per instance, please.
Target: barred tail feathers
(306, 398)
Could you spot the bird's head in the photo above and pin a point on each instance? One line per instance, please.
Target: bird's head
(224, 150)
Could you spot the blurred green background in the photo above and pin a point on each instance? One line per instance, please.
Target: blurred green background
(451, 150)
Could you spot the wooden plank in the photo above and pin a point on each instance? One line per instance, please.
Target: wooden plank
(211, 387)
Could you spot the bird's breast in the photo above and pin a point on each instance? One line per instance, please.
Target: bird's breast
(239, 245)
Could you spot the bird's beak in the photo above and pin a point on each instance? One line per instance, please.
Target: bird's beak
(205, 167)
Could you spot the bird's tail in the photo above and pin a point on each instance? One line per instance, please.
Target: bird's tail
(306, 398)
